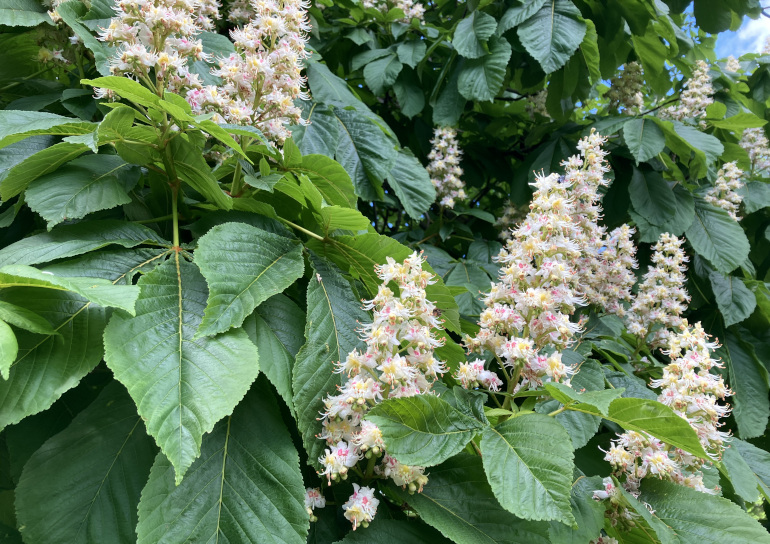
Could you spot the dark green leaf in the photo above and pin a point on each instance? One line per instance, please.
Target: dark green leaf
(18, 125)
(191, 167)
(747, 378)
(734, 299)
(644, 139)
(717, 237)
(471, 35)
(553, 34)
(481, 79)
(382, 73)
(9, 349)
(516, 15)
(18, 177)
(652, 197)
(22, 13)
(412, 185)
(411, 52)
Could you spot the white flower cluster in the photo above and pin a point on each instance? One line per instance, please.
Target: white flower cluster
(261, 80)
(313, 499)
(240, 12)
(444, 168)
(723, 194)
(732, 64)
(661, 297)
(512, 216)
(692, 392)
(398, 362)
(361, 507)
(610, 274)
(473, 375)
(156, 38)
(411, 9)
(604, 540)
(695, 97)
(536, 104)
(626, 89)
(756, 145)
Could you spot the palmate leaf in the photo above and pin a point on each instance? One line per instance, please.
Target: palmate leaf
(458, 501)
(529, 464)
(181, 386)
(83, 484)
(245, 487)
(333, 316)
(243, 266)
(422, 430)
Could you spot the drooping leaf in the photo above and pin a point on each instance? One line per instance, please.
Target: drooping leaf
(553, 34)
(422, 430)
(85, 185)
(83, 484)
(598, 400)
(652, 197)
(471, 35)
(18, 177)
(330, 334)
(734, 299)
(758, 461)
(516, 15)
(245, 487)
(717, 237)
(588, 513)
(72, 240)
(644, 139)
(191, 167)
(322, 133)
(22, 13)
(700, 518)
(481, 79)
(412, 185)
(18, 125)
(411, 52)
(529, 464)
(243, 267)
(9, 349)
(382, 73)
(182, 386)
(23, 318)
(742, 477)
(458, 501)
(330, 178)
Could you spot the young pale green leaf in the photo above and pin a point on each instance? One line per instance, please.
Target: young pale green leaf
(333, 315)
(382, 73)
(245, 487)
(191, 167)
(72, 240)
(644, 139)
(22, 13)
(330, 178)
(742, 478)
(107, 452)
(717, 237)
(97, 290)
(49, 365)
(23, 318)
(9, 349)
(746, 376)
(652, 197)
(516, 15)
(47, 160)
(553, 34)
(18, 125)
(700, 518)
(337, 217)
(471, 35)
(182, 386)
(598, 400)
(243, 266)
(276, 328)
(734, 299)
(422, 430)
(458, 501)
(85, 185)
(126, 88)
(529, 464)
(738, 122)
(481, 79)
(412, 185)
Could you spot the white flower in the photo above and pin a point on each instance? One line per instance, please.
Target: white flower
(411, 9)
(695, 98)
(444, 168)
(755, 143)
(313, 499)
(361, 508)
(724, 192)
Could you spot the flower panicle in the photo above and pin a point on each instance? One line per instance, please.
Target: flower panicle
(444, 167)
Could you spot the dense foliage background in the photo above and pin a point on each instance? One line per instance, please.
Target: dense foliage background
(177, 284)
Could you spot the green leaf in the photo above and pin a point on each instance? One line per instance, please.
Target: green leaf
(588, 513)
(321, 135)
(756, 195)
(590, 49)
(734, 299)
(333, 315)
(388, 531)
(695, 148)
(277, 328)
(365, 152)
(644, 139)
(746, 376)
(471, 35)
(529, 463)
(449, 105)
(481, 79)
(652, 197)
(553, 34)
(327, 87)
(330, 178)
(422, 430)
(182, 386)
(126, 88)
(382, 73)
(758, 461)
(18, 125)
(82, 186)
(700, 518)
(243, 267)
(49, 365)
(409, 93)
(107, 452)
(741, 476)
(71, 12)
(22, 13)
(516, 15)
(597, 400)
(19, 177)
(712, 16)
(458, 501)
(738, 122)
(9, 349)
(191, 167)
(337, 217)
(412, 185)
(97, 290)
(245, 487)
(411, 52)
(648, 529)
(71, 240)
(361, 253)
(23, 318)
(717, 237)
